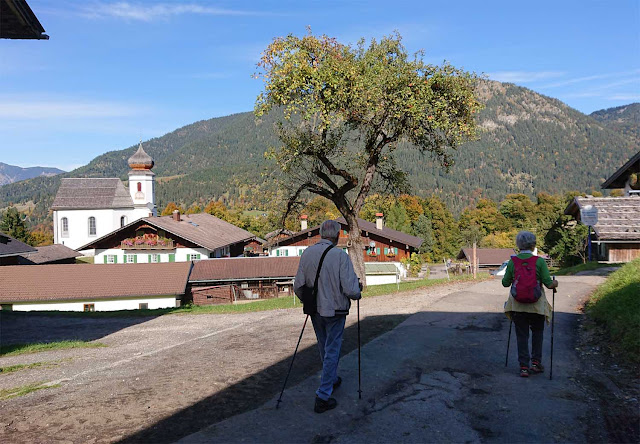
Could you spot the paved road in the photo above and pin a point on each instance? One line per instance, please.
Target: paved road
(440, 377)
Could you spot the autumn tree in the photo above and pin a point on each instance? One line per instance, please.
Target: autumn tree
(344, 111)
(170, 208)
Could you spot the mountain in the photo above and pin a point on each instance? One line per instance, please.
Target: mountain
(529, 143)
(624, 119)
(11, 173)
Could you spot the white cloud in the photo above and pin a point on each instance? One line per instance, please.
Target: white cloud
(63, 109)
(147, 13)
(523, 76)
(625, 97)
(590, 78)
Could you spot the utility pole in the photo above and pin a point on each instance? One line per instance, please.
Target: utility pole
(475, 260)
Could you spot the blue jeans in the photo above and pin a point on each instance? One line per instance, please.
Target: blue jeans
(329, 334)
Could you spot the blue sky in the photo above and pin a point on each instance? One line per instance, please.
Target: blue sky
(117, 71)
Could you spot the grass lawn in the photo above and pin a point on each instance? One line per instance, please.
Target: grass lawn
(24, 389)
(19, 349)
(570, 271)
(616, 305)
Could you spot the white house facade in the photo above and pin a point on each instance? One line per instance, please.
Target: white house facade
(86, 209)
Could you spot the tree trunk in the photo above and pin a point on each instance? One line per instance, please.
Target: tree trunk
(356, 248)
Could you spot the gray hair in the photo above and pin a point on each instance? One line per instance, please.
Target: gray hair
(525, 240)
(330, 229)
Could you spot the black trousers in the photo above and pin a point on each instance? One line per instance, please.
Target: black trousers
(524, 322)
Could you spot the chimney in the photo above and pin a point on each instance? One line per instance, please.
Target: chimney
(379, 221)
(176, 215)
(303, 221)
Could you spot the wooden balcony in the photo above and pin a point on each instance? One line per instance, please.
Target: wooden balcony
(147, 243)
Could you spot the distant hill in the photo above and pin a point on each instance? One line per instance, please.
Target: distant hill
(625, 119)
(529, 143)
(11, 173)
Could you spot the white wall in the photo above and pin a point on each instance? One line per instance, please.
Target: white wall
(380, 279)
(100, 305)
(107, 220)
(292, 251)
(142, 256)
(146, 200)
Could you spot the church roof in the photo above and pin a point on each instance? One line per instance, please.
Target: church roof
(91, 193)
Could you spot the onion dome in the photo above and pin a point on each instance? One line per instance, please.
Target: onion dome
(141, 160)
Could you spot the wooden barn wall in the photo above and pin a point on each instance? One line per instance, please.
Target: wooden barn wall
(623, 252)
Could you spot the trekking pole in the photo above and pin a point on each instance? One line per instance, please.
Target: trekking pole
(553, 318)
(508, 343)
(359, 384)
(291, 365)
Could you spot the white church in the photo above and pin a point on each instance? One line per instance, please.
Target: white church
(86, 209)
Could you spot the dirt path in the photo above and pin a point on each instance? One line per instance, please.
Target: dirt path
(440, 376)
(163, 378)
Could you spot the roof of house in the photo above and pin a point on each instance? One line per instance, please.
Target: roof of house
(370, 228)
(91, 193)
(487, 256)
(13, 247)
(374, 268)
(202, 229)
(49, 253)
(618, 217)
(69, 282)
(619, 178)
(244, 268)
(17, 21)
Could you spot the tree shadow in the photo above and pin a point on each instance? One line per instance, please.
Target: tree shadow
(258, 388)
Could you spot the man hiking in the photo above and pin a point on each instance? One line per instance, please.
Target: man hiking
(527, 305)
(337, 284)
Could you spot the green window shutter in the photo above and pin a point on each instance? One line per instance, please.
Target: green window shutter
(115, 259)
(386, 250)
(286, 252)
(124, 258)
(135, 258)
(149, 258)
(395, 250)
(172, 258)
(198, 256)
(105, 258)
(377, 250)
(277, 253)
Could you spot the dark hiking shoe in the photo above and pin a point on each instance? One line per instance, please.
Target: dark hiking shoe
(524, 371)
(337, 383)
(536, 367)
(322, 405)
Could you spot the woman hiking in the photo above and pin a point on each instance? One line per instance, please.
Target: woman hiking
(527, 305)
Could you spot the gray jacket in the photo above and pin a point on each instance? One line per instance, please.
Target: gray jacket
(337, 283)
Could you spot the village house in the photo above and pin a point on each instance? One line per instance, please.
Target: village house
(49, 254)
(488, 258)
(230, 280)
(85, 209)
(11, 249)
(93, 288)
(616, 236)
(175, 238)
(381, 244)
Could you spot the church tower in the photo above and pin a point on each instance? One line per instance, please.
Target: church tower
(142, 183)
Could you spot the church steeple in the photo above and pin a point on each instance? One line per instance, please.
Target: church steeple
(141, 181)
(141, 160)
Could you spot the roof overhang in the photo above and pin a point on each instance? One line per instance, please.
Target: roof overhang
(17, 21)
(619, 178)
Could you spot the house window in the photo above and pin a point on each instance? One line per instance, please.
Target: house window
(89, 307)
(155, 258)
(123, 221)
(111, 258)
(130, 259)
(65, 226)
(92, 226)
(143, 306)
(193, 257)
(139, 187)
(244, 285)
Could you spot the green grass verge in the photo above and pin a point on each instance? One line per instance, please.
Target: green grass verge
(616, 305)
(24, 389)
(15, 368)
(19, 349)
(570, 271)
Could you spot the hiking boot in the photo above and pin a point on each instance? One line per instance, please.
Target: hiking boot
(337, 383)
(524, 371)
(536, 367)
(322, 405)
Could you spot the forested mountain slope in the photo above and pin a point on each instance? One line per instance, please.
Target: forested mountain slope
(624, 119)
(529, 143)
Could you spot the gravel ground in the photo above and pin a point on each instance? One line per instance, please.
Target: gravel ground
(162, 378)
